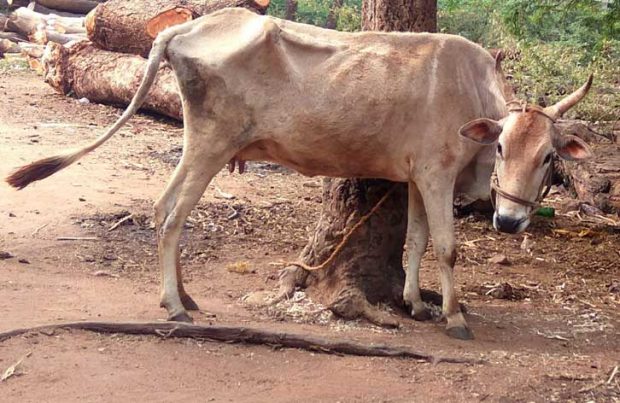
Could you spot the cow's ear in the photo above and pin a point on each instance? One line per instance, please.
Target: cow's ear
(571, 147)
(483, 131)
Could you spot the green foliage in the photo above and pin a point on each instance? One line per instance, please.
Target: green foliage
(555, 45)
(13, 63)
(549, 71)
(315, 12)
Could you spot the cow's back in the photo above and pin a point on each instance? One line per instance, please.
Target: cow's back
(317, 97)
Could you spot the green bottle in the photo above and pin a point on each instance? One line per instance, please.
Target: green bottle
(548, 212)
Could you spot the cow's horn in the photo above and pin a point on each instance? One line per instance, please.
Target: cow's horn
(568, 102)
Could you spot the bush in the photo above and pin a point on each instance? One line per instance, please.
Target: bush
(546, 72)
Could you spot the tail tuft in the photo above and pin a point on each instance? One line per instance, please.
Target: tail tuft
(38, 170)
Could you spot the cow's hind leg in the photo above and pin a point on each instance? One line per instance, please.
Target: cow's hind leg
(189, 182)
(438, 197)
(417, 240)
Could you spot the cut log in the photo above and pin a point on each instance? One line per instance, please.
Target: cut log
(44, 35)
(26, 21)
(14, 3)
(72, 6)
(120, 25)
(108, 77)
(44, 10)
(7, 46)
(30, 49)
(596, 181)
(13, 36)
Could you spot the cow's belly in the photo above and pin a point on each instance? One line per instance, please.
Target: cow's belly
(334, 161)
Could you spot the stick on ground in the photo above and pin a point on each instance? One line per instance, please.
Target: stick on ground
(248, 335)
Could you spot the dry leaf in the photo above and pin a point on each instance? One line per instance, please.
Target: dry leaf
(240, 267)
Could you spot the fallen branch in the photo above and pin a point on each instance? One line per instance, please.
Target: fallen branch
(236, 334)
(120, 222)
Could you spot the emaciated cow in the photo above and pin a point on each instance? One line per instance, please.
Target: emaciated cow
(369, 104)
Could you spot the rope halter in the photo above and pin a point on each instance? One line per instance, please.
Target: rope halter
(545, 184)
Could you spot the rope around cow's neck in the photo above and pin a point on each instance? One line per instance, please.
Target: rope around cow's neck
(346, 237)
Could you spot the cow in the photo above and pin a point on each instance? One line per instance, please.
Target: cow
(425, 109)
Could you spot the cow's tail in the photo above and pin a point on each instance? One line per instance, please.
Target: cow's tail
(43, 168)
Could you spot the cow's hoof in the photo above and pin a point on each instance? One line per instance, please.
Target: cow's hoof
(422, 315)
(181, 317)
(188, 303)
(460, 332)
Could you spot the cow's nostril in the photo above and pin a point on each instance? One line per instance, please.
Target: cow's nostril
(507, 224)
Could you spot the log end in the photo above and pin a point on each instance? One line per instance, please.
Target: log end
(90, 21)
(168, 18)
(262, 4)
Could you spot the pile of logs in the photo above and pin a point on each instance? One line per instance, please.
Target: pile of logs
(27, 29)
(101, 55)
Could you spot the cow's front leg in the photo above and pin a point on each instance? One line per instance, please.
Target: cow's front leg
(417, 240)
(438, 197)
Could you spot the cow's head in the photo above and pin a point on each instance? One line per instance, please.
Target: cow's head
(526, 143)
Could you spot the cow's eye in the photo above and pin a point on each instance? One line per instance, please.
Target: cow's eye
(499, 150)
(547, 159)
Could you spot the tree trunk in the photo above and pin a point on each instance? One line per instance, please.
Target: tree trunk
(13, 36)
(43, 35)
(120, 25)
(368, 269)
(332, 17)
(108, 77)
(291, 10)
(400, 15)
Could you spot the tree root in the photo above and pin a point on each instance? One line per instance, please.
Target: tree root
(236, 334)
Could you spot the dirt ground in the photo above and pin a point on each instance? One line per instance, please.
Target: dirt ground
(546, 323)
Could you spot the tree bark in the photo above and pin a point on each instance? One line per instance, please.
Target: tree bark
(595, 182)
(368, 270)
(400, 15)
(291, 10)
(108, 77)
(332, 17)
(119, 25)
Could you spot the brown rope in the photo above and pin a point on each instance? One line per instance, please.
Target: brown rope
(348, 235)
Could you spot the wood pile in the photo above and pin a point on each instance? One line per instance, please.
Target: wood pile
(96, 48)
